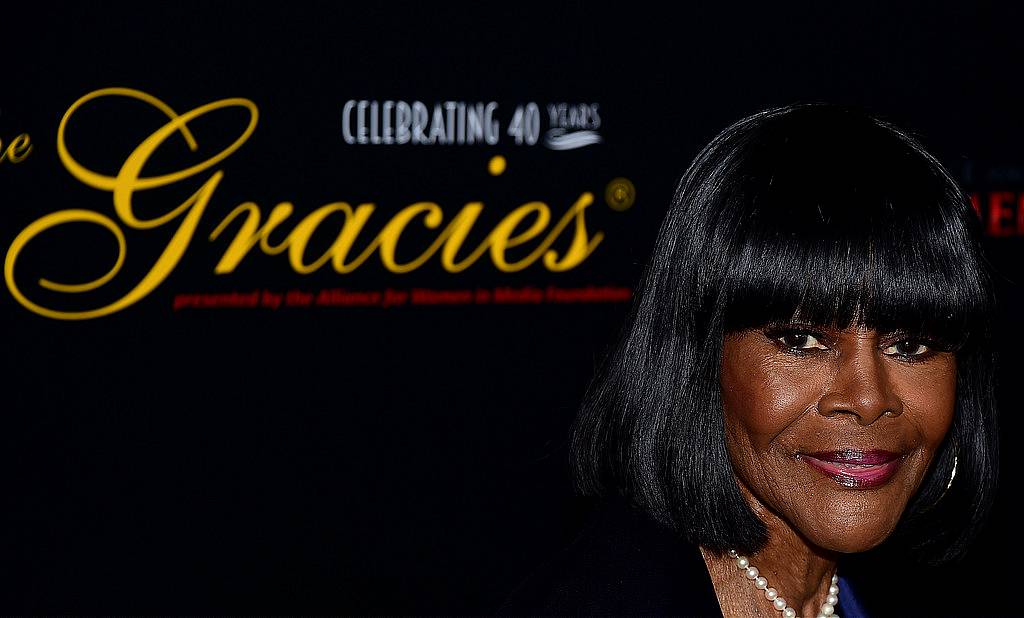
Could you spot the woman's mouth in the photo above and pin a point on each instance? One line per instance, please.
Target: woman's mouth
(855, 469)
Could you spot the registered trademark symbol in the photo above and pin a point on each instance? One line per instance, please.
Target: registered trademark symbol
(620, 194)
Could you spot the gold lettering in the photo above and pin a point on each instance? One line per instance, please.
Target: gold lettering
(163, 266)
(450, 240)
(388, 237)
(250, 234)
(519, 227)
(354, 222)
(581, 246)
(455, 234)
(16, 151)
(339, 250)
(122, 188)
(501, 238)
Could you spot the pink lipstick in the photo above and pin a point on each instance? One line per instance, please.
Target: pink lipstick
(855, 469)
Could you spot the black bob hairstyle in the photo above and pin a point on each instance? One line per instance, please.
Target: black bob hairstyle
(812, 210)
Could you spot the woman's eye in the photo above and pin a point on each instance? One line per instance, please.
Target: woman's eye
(907, 348)
(800, 341)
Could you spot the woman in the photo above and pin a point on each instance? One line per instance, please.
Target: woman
(806, 375)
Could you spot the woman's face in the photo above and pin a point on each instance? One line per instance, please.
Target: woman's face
(833, 430)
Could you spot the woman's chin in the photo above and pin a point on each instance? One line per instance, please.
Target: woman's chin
(850, 531)
(848, 545)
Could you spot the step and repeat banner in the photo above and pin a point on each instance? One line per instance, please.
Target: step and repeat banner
(299, 303)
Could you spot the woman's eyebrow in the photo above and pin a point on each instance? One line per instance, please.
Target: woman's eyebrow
(800, 324)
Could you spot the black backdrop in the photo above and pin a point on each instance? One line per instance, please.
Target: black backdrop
(408, 459)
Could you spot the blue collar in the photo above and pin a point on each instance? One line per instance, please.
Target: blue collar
(849, 606)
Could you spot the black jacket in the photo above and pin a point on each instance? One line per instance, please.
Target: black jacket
(622, 563)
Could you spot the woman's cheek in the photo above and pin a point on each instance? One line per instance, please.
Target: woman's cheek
(928, 393)
(782, 394)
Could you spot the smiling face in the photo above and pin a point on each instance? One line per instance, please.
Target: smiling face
(833, 430)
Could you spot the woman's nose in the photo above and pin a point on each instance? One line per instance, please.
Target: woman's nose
(861, 387)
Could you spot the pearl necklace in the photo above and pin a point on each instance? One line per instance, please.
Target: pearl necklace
(827, 610)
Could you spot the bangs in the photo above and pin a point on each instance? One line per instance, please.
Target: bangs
(834, 237)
